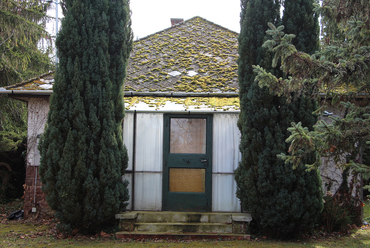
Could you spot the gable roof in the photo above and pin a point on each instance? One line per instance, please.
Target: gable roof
(193, 56)
(192, 65)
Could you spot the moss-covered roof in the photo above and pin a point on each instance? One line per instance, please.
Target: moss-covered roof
(43, 82)
(193, 56)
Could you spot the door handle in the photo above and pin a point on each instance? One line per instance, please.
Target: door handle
(204, 161)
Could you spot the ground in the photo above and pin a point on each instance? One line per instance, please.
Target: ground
(43, 234)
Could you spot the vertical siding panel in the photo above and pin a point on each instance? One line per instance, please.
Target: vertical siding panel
(149, 157)
(226, 156)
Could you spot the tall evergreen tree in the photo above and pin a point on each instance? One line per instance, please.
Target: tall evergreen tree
(342, 63)
(282, 201)
(300, 19)
(22, 30)
(82, 153)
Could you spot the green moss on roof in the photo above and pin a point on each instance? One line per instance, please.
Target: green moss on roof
(217, 103)
(195, 45)
(34, 83)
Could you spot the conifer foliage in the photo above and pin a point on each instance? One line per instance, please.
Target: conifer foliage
(341, 71)
(282, 201)
(82, 153)
(22, 31)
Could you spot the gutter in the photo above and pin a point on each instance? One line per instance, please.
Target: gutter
(200, 111)
(128, 93)
(157, 94)
(26, 92)
(182, 94)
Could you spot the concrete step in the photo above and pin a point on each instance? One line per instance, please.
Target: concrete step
(183, 217)
(184, 222)
(182, 236)
(184, 227)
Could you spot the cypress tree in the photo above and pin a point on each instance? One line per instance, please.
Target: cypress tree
(82, 153)
(300, 19)
(282, 201)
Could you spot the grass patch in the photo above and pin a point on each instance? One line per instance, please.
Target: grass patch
(44, 234)
(367, 211)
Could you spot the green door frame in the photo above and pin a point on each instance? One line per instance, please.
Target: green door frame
(187, 201)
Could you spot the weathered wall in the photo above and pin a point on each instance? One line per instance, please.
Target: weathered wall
(331, 174)
(38, 109)
(224, 128)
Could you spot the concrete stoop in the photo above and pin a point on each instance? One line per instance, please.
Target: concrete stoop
(183, 225)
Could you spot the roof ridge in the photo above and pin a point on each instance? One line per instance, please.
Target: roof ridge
(182, 23)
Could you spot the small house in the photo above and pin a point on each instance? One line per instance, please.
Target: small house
(180, 127)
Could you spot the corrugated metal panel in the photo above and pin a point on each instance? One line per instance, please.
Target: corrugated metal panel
(226, 156)
(224, 194)
(128, 136)
(226, 139)
(148, 191)
(149, 142)
(128, 177)
(149, 152)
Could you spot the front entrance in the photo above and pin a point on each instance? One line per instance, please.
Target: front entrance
(187, 163)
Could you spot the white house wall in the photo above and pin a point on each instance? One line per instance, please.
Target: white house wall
(38, 109)
(146, 188)
(128, 136)
(148, 168)
(226, 156)
(146, 182)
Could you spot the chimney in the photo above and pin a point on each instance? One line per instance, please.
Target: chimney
(175, 21)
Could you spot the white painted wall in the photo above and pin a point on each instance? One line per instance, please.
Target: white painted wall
(38, 109)
(226, 157)
(149, 149)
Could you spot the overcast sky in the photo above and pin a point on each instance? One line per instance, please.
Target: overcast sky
(150, 16)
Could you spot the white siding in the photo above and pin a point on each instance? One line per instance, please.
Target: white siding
(148, 167)
(149, 142)
(128, 177)
(226, 139)
(226, 156)
(224, 194)
(148, 191)
(128, 136)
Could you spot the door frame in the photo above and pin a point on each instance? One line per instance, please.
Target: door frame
(166, 153)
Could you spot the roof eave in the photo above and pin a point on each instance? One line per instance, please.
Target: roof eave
(27, 92)
(129, 93)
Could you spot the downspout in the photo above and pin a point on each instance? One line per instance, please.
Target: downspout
(133, 163)
(34, 192)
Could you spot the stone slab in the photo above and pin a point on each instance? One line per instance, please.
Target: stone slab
(181, 236)
(126, 216)
(241, 217)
